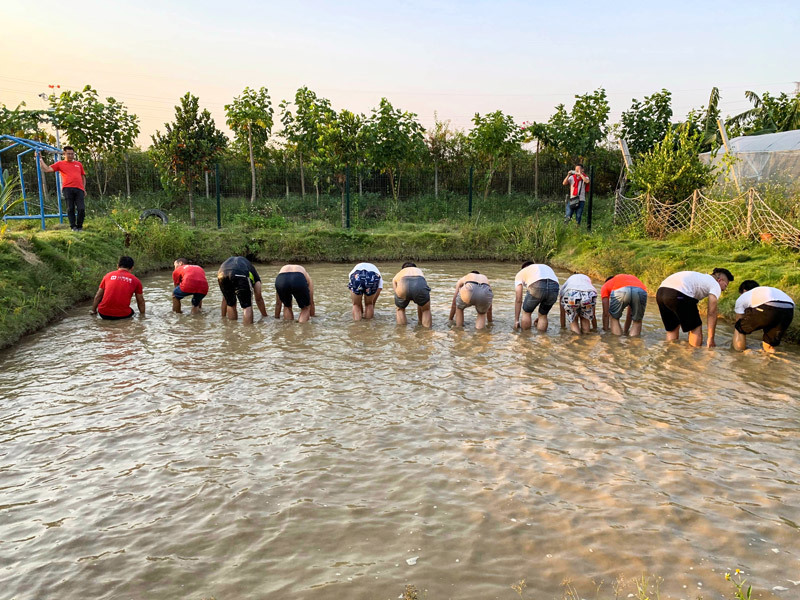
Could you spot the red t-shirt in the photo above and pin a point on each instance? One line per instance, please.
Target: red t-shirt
(119, 286)
(620, 281)
(191, 279)
(72, 173)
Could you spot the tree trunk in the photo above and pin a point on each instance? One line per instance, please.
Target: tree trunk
(509, 176)
(360, 188)
(488, 183)
(536, 172)
(436, 179)
(96, 162)
(286, 172)
(127, 176)
(302, 178)
(191, 199)
(252, 165)
(316, 189)
(344, 212)
(205, 174)
(391, 184)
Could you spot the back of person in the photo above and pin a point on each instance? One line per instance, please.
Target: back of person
(762, 308)
(191, 279)
(618, 293)
(692, 284)
(118, 289)
(365, 279)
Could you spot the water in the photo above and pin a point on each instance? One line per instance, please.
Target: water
(183, 456)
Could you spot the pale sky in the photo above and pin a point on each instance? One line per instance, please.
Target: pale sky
(455, 58)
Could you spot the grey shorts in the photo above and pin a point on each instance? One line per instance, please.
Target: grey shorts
(416, 289)
(542, 293)
(632, 296)
(480, 296)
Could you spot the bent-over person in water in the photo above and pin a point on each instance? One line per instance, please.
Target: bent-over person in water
(189, 280)
(238, 279)
(410, 285)
(618, 293)
(540, 285)
(365, 284)
(577, 303)
(293, 281)
(765, 308)
(472, 290)
(113, 298)
(677, 299)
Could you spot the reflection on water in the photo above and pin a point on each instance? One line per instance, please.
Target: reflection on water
(185, 456)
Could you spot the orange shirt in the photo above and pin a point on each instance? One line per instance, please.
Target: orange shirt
(191, 279)
(118, 289)
(620, 281)
(72, 173)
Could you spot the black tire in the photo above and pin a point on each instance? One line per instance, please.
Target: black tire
(154, 212)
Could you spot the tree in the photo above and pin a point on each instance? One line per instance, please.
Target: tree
(24, 123)
(646, 123)
(188, 146)
(250, 117)
(575, 135)
(440, 145)
(339, 143)
(672, 169)
(494, 138)
(103, 130)
(769, 114)
(395, 139)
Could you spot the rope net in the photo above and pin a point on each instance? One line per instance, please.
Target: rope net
(746, 215)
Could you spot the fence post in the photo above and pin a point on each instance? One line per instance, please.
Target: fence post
(695, 196)
(127, 176)
(749, 210)
(536, 172)
(347, 196)
(219, 207)
(591, 197)
(469, 208)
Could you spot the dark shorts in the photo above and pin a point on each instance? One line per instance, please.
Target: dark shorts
(109, 318)
(417, 290)
(293, 284)
(542, 293)
(480, 296)
(677, 309)
(364, 283)
(773, 319)
(196, 298)
(632, 296)
(235, 285)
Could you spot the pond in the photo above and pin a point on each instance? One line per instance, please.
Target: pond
(182, 456)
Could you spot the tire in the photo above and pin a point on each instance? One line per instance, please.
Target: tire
(154, 212)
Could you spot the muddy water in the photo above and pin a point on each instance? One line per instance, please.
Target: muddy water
(184, 457)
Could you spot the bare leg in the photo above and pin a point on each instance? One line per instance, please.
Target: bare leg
(480, 321)
(231, 313)
(673, 335)
(176, 305)
(541, 322)
(739, 341)
(425, 316)
(288, 315)
(586, 325)
(197, 309)
(616, 327)
(525, 320)
(400, 315)
(636, 329)
(696, 337)
(224, 309)
(459, 317)
(305, 315)
(248, 315)
(369, 305)
(575, 327)
(358, 312)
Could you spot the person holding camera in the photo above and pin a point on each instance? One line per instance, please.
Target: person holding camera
(576, 180)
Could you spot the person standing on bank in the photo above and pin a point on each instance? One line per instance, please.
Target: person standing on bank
(540, 284)
(73, 185)
(576, 199)
(677, 299)
(409, 284)
(473, 290)
(238, 279)
(189, 280)
(294, 281)
(365, 285)
(761, 307)
(113, 298)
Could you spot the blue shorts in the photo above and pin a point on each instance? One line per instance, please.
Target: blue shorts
(180, 295)
(621, 298)
(364, 282)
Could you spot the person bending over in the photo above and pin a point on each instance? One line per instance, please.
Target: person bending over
(677, 299)
(239, 280)
(189, 280)
(618, 293)
(365, 285)
(765, 308)
(293, 281)
(113, 299)
(541, 291)
(472, 290)
(577, 300)
(409, 285)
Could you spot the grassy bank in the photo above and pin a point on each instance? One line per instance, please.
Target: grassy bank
(43, 273)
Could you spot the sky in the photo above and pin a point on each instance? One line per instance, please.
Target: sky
(448, 58)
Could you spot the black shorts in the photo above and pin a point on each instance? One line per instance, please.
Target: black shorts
(233, 285)
(110, 318)
(678, 309)
(774, 320)
(293, 284)
(417, 289)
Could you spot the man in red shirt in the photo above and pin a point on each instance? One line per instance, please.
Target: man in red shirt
(190, 280)
(618, 293)
(73, 185)
(113, 298)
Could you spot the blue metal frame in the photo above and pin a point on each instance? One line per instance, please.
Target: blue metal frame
(38, 148)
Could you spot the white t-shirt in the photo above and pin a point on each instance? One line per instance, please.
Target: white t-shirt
(758, 296)
(368, 267)
(577, 282)
(533, 273)
(694, 284)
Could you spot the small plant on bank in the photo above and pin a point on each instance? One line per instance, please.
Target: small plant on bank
(7, 200)
(738, 582)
